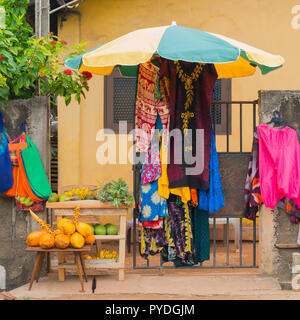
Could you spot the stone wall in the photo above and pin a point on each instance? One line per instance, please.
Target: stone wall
(275, 226)
(14, 225)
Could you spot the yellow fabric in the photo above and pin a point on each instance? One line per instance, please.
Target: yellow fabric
(163, 182)
(131, 49)
(258, 55)
(105, 71)
(239, 68)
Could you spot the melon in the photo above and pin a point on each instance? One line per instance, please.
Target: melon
(84, 229)
(62, 241)
(60, 222)
(112, 229)
(33, 239)
(68, 227)
(77, 240)
(47, 241)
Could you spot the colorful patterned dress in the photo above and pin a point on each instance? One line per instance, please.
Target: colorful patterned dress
(187, 90)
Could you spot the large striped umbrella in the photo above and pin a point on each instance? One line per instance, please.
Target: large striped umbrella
(231, 58)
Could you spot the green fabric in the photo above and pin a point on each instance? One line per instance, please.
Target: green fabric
(201, 235)
(129, 71)
(35, 172)
(264, 69)
(192, 45)
(76, 62)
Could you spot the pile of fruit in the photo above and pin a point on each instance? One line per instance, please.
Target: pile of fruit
(103, 254)
(108, 229)
(74, 195)
(68, 233)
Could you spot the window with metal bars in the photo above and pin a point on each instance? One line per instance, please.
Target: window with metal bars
(119, 102)
(222, 92)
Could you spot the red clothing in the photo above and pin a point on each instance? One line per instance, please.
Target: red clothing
(147, 108)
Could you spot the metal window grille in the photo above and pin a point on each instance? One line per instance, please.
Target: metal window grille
(123, 99)
(216, 108)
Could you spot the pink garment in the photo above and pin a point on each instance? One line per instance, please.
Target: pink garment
(279, 164)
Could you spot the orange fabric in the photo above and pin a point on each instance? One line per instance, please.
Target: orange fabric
(12, 191)
(15, 147)
(23, 188)
(194, 197)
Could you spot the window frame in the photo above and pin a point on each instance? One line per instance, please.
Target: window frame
(109, 102)
(220, 129)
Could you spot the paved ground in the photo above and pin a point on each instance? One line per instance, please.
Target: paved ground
(173, 285)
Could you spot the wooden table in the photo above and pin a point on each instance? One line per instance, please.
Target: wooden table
(94, 208)
(41, 254)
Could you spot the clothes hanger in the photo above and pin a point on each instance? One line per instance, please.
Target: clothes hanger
(276, 120)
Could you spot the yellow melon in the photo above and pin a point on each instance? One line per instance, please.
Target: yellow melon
(68, 228)
(60, 222)
(62, 241)
(84, 229)
(77, 240)
(33, 239)
(47, 241)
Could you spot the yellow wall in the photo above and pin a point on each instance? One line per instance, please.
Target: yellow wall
(265, 24)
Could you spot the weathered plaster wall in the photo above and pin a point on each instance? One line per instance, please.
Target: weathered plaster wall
(275, 226)
(14, 225)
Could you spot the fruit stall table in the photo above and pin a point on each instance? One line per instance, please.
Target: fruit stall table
(41, 254)
(94, 208)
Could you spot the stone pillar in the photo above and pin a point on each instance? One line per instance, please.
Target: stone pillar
(14, 225)
(275, 226)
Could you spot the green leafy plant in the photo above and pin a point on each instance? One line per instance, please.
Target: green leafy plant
(32, 67)
(115, 192)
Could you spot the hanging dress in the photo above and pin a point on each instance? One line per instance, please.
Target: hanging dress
(279, 164)
(147, 107)
(178, 228)
(187, 90)
(252, 194)
(212, 200)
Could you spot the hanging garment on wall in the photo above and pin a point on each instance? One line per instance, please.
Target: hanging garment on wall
(147, 107)
(23, 188)
(187, 89)
(279, 164)
(201, 235)
(6, 173)
(180, 247)
(252, 193)
(36, 206)
(15, 145)
(35, 171)
(152, 205)
(212, 200)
